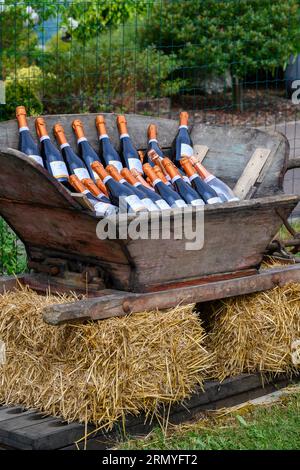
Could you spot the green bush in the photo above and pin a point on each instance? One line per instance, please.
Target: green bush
(12, 252)
(227, 35)
(106, 74)
(23, 88)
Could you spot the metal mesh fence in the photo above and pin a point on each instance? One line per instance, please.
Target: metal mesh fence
(225, 62)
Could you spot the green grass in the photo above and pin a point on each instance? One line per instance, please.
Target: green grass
(273, 427)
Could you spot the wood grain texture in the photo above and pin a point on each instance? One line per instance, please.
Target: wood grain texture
(230, 149)
(121, 303)
(251, 172)
(235, 238)
(9, 283)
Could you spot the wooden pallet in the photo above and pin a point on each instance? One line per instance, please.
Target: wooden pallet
(31, 430)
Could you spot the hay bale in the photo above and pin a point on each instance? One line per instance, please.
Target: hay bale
(255, 332)
(98, 372)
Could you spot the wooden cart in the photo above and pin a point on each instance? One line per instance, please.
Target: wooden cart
(123, 276)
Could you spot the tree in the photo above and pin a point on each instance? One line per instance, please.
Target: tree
(84, 20)
(240, 36)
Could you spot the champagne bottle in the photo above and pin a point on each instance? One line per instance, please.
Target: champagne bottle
(148, 203)
(162, 176)
(75, 165)
(117, 191)
(182, 144)
(172, 198)
(85, 150)
(53, 159)
(207, 193)
(141, 179)
(161, 203)
(26, 143)
(223, 191)
(91, 186)
(152, 144)
(108, 154)
(100, 185)
(157, 161)
(187, 193)
(142, 156)
(129, 153)
(101, 208)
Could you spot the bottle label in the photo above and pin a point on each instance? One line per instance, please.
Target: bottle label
(81, 173)
(44, 137)
(163, 205)
(82, 139)
(134, 203)
(152, 140)
(24, 128)
(101, 207)
(37, 159)
(179, 203)
(118, 165)
(136, 164)
(59, 169)
(186, 150)
(149, 204)
(103, 136)
(124, 135)
(198, 202)
(183, 126)
(213, 200)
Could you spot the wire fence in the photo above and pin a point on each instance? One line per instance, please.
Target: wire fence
(229, 62)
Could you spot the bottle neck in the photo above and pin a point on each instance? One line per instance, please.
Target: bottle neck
(22, 120)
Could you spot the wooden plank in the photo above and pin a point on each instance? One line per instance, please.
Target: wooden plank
(251, 172)
(122, 303)
(31, 429)
(230, 149)
(235, 238)
(8, 283)
(43, 189)
(200, 152)
(232, 391)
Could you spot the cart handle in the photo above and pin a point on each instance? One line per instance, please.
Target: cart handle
(293, 163)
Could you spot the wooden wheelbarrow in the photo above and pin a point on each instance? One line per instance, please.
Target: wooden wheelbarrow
(129, 275)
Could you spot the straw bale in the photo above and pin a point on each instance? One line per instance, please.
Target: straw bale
(255, 333)
(98, 372)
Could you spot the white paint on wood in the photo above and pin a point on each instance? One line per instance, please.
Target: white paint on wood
(200, 152)
(251, 172)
